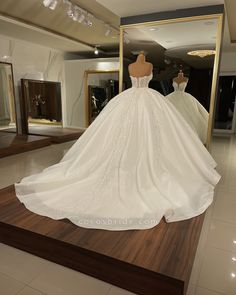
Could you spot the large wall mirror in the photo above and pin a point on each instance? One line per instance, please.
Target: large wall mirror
(7, 97)
(42, 101)
(188, 45)
(100, 88)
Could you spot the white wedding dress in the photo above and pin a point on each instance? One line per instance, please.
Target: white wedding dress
(137, 162)
(191, 109)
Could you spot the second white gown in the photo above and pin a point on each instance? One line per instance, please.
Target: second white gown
(190, 108)
(137, 162)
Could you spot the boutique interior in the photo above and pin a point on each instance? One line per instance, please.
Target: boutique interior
(62, 62)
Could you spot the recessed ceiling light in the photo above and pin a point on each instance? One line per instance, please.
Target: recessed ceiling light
(169, 41)
(152, 29)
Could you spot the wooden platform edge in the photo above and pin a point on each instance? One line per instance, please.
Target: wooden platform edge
(110, 270)
(22, 148)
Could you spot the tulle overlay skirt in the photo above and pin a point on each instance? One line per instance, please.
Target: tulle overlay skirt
(137, 162)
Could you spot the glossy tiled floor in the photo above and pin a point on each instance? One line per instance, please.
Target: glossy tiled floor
(214, 270)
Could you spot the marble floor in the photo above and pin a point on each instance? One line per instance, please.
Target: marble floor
(214, 270)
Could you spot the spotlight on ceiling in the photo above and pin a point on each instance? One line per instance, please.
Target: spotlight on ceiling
(108, 31)
(50, 3)
(89, 23)
(70, 9)
(75, 13)
(126, 39)
(81, 17)
(95, 50)
(53, 5)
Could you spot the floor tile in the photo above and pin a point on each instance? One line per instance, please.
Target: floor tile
(29, 291)
(203, 291)
(224, 211)
(59, 280)
(222, 235)
(227, 194)
(20, 265)
(191, 290)
(200, 253)
(118, 291)
(9, 286)
(218, 271)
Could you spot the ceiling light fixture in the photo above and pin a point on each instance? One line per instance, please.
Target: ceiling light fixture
(202, 53)
(108, 31)
(50, 4)
(81, 17)
(96, 50)
(76, 13)
(126, 39)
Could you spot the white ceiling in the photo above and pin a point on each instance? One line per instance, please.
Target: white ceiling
(168, 35)
(135, 7)
(21, 31)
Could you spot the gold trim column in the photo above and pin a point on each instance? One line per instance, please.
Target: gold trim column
(214, 83)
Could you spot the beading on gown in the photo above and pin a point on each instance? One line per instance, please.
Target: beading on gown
(137, 162)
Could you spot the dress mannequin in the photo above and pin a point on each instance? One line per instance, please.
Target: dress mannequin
(137, 162)
(189, 107)
(180, 78)
(140, 67)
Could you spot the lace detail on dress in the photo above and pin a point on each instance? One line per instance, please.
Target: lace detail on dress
(141, 82)
(180, 87)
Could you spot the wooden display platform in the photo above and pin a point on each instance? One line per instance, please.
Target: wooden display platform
(11, 143)
(57, 134)
(146, 262)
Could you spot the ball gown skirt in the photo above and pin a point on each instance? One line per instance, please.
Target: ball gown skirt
(137, 162)
(190, 108)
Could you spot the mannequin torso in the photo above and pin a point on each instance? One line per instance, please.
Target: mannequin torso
(180, 78)
(140, 67)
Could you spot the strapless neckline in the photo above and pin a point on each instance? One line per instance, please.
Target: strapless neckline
(141, 76)
(179, 86)
(141, 82)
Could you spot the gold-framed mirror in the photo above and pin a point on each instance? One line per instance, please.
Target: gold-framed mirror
(100, 87)
(190, 44)
(7, 97)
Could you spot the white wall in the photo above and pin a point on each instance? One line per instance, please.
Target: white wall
(228, 63)
(32, 61)
(74, 79)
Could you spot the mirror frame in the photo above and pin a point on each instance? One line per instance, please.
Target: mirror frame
(13, 89)
(220, 18)
(86, 76)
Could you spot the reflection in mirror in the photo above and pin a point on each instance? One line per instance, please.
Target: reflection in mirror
(43, 102)
(7, 99)
(182, 55)
(225, 114)
(101, 87)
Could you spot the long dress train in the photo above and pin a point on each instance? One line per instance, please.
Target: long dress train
(137, 162)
